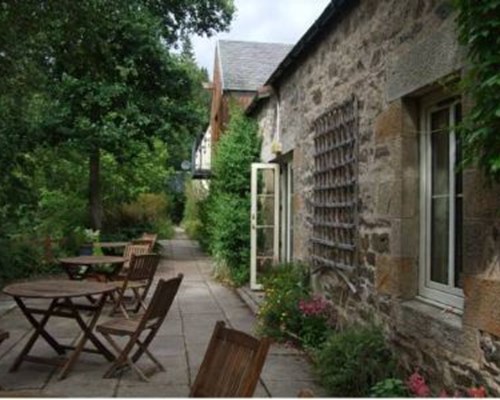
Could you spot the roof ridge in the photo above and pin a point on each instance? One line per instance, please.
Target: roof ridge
(254, 42)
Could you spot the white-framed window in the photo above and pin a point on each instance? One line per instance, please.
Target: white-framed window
(441, 205)
(287, 211)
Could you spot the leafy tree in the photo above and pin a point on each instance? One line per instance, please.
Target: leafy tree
(479, 31)
(108, 81)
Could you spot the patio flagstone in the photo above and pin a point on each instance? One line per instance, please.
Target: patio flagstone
(180, 343)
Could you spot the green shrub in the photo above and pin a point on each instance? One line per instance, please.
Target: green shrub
(195, 195)
(352, 361)
(390, 387)
(148, 213)
(164, 228)
(230, 236)
(146, 209)
(23, 257)
(225, 215)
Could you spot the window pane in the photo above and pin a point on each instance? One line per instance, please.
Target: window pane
(458, 242)
(439, 240)
(458, 152)
(458, 203)
(440, 142)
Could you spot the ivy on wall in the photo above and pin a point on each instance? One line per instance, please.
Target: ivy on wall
(479, 30)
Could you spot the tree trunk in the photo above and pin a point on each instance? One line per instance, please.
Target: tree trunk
(95, 203)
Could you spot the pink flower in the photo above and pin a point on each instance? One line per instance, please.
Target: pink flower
(477, 392)
(416, 384)
(317, 305)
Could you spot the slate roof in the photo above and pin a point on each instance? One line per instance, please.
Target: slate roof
(247, 65)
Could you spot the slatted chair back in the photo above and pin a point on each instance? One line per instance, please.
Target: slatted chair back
(138, 277)
(153, 237)
(143, 266)
(150, 322)
(132, 248)
(161, 301)
(232, 364)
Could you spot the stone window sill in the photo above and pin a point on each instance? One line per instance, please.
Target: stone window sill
(438, 312)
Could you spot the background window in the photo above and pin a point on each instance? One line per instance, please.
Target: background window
(441, 205)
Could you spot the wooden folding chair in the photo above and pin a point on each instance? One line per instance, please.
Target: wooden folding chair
(138, 278)
(135, 248)
(153, 237)
(128, 251)
(144, 242)
(232, 364)
(150, 322)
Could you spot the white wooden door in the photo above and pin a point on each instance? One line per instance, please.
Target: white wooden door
(264, 235)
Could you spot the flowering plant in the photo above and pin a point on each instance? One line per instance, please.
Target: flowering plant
(318, 319)
(418, 387)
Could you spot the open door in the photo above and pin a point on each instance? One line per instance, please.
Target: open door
(264, 235)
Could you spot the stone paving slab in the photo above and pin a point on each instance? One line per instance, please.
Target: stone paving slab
(180, 344)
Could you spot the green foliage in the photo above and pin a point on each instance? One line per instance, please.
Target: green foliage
(195, 195)
(237, 149)
(99, 76)
(230, 235)
(479, 30)
(388, 388)
(226, 214)
(147, 213)
(352, 361)
(25, 256)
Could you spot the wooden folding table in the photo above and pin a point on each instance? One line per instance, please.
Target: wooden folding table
(81, 267)
(60, 295)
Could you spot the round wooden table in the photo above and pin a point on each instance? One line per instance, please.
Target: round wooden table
(82, 267)
(111, 245)
(61, 294)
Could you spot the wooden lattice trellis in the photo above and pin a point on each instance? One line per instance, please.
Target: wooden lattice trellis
(335, 221)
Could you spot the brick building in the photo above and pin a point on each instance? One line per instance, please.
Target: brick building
(240, 68)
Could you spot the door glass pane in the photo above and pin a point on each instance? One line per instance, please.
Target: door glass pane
(439, 239)
(265, 210)
(265, 242)
(264, 264)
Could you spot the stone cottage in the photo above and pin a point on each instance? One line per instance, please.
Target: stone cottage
(360, 119)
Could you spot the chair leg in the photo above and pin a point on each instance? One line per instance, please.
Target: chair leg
(118, 304)
(123, 358)
(139, 299)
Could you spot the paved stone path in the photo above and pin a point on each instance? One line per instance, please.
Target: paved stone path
(179, 345)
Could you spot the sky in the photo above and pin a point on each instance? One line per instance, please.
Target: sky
(279, 21)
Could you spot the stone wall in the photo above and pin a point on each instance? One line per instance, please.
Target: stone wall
(388, 54)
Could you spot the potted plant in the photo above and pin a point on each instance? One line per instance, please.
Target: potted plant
(87, 238)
